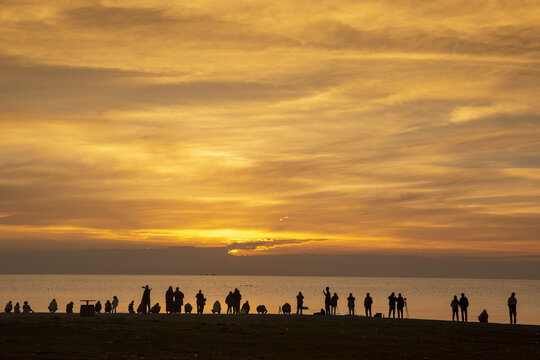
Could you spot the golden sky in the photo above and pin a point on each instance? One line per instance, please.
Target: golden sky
(279, 126)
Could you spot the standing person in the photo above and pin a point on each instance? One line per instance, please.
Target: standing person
(53, 306)
(9, 307)
(178, 300)
(350, 303)
(108, 307)
(229, 302)
(392, 305)
(455, 306)
(169, 300)
(200, 302)
(367, 304)
(114, 304)
(463, 304)
(327, 297)
(333, 303)
(400, 302)
(512, 307)
(299, 303)
(146, 299)
(237, 299)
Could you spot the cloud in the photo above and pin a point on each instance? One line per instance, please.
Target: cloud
(373, 126)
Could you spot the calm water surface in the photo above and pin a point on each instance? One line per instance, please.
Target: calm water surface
(427, 298)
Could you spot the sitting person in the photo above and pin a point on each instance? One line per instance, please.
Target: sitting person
(69, 308)
(9, 307)
(155, 309)
(286, 308)
(245, 308)
(17, 309)
(26, 309)
(216, 309)
(483, 317)
(97, 307)
(53, 306)
(188, 308)
(322, 312)
(131, 306)
(261, 309)
(108, 307)
(141, 309)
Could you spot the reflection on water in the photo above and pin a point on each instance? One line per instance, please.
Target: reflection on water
(427, 298)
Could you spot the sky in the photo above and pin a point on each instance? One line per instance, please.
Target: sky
(271, 127)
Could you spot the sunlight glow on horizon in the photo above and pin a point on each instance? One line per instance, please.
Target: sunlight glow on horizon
(349, 127)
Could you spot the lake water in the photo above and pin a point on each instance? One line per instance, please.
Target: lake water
(427, 298)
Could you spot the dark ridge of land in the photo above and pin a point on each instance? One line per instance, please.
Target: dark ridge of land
(123, 336)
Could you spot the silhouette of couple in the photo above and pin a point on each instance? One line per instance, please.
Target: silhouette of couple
(174, 301)
(394, 302)
(233, 301)
(330, 302)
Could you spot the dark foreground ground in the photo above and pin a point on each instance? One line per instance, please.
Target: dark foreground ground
(122, 336)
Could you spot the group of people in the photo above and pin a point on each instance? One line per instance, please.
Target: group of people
(331, 303)
(233, 301)
(463, 304)
(174, 300)
(110, 306)
(26, 309)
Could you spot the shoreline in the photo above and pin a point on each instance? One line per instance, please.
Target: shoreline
(208, 336)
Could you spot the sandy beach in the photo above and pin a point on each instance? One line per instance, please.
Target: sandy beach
(122, 336)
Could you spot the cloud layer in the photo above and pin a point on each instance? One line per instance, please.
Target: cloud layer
(281, 128)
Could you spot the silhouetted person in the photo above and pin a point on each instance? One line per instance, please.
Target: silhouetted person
(108, 307)
(201, 301)
(178, 300)
(169, 300)
(321, 312)
(455, 308)
(286, 308)
(367, 304)
(463, 305)
(146, 298)
(333, 303)
(237, 299)
(229, 302)
(350, 303)
(216, 309)
(261, 309)
(26, 309)
(392, 305)
(69, 308)
(97, 307)
(245, 308)
(512, 308)
(114, 304)
(53, 306)
(17, 309)
(188, 308)
(400, 304)
(299, 303)
(327, 300)
(483, 317)
(9, 307)
(155, 309)
(131, 307)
